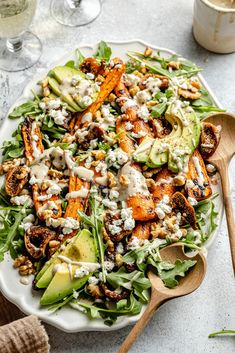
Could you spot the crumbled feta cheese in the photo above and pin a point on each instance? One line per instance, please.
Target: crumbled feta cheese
(20, 200)
(143, 113)
(129, 224)
(69, 224)
(126, 213)
(135, 243)
(129, 103)
(210, 168)
(59, 116)
(192, 201)
(109, 265)
(81, 272)
(90, 76)
(93, 280)
(114, 229)
(131, 80)
(114, 194)
(139, 134)
(53, 104)
(120, 248)
(163, 208)
(129, 126)
(88, 162)
(116, 158)
(86, 100)
(54, 189)
(143, 96)
(112, 205)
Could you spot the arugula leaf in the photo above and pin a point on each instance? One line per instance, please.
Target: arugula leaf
(80, 58)
(222, 332)
(168, 272)
(13, 148)
(156, 69)
(10, 230)
(96, 223)
(30, 107)
(158, 109)
(104, 52)
(124, 307)
(134, 280)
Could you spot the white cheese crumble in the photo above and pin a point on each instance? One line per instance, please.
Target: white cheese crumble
(93, 280)
(20, 200)
(163, 208)
(81, 272)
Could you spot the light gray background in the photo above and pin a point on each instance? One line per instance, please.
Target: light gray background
(182, 325)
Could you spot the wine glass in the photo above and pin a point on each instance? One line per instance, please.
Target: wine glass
(75, 13)
(19, 49)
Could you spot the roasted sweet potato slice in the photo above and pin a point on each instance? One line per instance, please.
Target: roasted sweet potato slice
(16, 178)
(142, 207)
(111, 80)
(32, 138)
(125, 142)
(140, 125)
(198, 182)
(180, 204)
(123, 95)
(209, 139)
(79, 203)
(36, 239)
(48, 208)
(163, 185)
(141, 231)
(93, 66)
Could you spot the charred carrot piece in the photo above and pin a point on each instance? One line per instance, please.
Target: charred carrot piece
(180, 204)
(76, 203)
(52, 211)
(122, 93)
(163, 185)
(142, 207)
(111, 80)
(32, 138)
(198, 182)
(125, 142)
(140, 125)
(141, 231)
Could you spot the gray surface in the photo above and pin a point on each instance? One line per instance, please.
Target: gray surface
(180, 326)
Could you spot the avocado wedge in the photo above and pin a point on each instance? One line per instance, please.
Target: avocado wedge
(81, 248)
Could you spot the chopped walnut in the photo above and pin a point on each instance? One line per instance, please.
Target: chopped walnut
(118, 260)
(55, 173)
(94, 290)
(148, 173)
(190, 93)
(6, 166)
(99, 155)
(150, 184)
(124, 181)
(157, 232)
(111, 180)
(100, 78)
(179, 180)
(24, 265)
(108, 241)
(148, 52)
(112, 97)
(138, 74)
(175, 65)
(134, 90)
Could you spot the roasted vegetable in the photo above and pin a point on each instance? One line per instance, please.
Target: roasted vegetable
(48, 208)
(93, 66)
(142, 207)
(141, 231)
(36, 239)
(16, 178)
(198, 182)
(111, 80)
(78, 203)
(181, 205)
(163, 185)
(209, 139)
(123, 95)
(143, 127)
(32, 138)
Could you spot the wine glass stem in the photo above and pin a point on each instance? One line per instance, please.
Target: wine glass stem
(14, 44)
(73, 4)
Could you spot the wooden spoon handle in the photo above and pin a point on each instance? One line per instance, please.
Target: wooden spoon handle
(140, 325)
(223, 170)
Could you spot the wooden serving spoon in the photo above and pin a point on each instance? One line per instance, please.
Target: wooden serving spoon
(160, 294)
(221, 158)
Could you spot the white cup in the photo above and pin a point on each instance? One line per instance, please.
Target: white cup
(214, 27)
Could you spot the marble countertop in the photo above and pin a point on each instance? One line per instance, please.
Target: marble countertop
(182, 325)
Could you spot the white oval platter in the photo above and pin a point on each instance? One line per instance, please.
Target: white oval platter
(68, 319)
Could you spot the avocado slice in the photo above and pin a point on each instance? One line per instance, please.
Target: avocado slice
(81, 248)
(67, 98)
(142, 152)
(61, 73)
(159, 152)
(182, 148)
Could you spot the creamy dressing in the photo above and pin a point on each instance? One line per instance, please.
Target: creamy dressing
(38, 173)
(87, 118)
(227, 4)
(83, 192)
(137, 183)
(103, 180)
(34, 138)
(199, 170)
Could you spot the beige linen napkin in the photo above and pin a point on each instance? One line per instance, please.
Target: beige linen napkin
(25, 335)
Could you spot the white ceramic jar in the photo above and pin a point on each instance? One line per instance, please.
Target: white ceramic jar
(214, 27)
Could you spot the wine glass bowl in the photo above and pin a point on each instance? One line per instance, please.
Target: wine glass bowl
(19, 49)
(74, 13)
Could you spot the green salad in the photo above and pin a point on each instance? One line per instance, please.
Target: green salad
(107, 166)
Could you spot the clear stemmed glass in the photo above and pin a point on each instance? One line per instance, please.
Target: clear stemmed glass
(19, 49)
(75, 13)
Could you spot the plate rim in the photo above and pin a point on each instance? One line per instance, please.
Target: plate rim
(19, 300)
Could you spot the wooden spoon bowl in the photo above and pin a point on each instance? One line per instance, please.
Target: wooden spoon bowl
(221, 158)
(160, 294)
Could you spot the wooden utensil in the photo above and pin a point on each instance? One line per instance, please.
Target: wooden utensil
(221, 159)
(160, 294)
